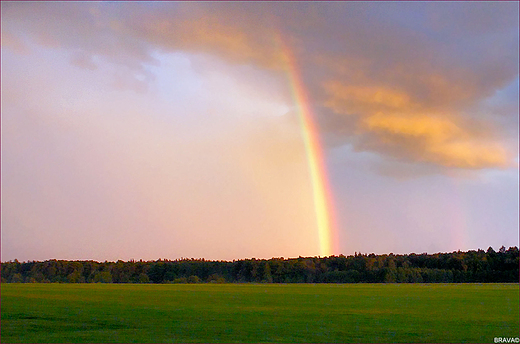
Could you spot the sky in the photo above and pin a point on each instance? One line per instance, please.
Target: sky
(232, 130)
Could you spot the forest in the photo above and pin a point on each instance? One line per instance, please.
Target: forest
(456, 267)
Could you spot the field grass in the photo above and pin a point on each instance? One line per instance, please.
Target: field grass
(365, 313)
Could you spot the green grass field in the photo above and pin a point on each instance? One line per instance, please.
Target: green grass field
(366, 313)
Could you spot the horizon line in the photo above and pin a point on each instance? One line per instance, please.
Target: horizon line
(356, 254)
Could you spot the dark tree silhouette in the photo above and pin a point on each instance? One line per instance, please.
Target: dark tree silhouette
(455, 267)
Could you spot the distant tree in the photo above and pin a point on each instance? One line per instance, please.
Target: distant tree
(17, 278)
(194, 279)
(75, 277)
(266, 274)
(170, 276)
(460, 267)
(390, 275)
(216, 278)
(102, 277)
(143, 278)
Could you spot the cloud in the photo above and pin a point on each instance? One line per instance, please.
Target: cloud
(351, 99)
(388, 121)
(434, 140)
(83, 61)
(399, 79)
(12, 42)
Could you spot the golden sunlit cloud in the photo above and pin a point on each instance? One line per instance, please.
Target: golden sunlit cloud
(344, 97)
(392, 121)
(436, 140)
(208, 33)
(432, 129)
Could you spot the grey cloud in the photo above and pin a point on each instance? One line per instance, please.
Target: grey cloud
(442, 59)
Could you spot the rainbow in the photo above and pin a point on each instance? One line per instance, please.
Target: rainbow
(318, 175)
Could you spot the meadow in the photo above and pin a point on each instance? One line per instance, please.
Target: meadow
(189, 313)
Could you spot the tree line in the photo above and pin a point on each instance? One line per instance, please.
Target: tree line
(456, 267)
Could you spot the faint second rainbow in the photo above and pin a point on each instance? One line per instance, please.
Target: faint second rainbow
(318, 175)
